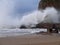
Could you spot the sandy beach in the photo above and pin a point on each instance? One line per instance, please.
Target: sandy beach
(33, 39)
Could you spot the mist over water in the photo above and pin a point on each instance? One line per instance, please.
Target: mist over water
(6, 10)
(9, 25)
(49, 15)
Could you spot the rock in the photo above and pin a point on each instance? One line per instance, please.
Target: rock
(49, 3)
(23, 27)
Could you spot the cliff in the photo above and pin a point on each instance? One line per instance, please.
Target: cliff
(49, 3)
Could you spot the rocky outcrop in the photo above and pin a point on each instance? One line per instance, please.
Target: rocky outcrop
(23, 27)
(49, 3)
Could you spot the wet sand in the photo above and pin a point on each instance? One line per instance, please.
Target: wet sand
(33, 39)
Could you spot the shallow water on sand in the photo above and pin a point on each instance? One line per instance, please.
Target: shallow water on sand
(15, 32)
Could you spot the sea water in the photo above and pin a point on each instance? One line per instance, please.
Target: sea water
(16, 32)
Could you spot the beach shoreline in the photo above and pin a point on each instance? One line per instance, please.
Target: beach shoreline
(31, 39)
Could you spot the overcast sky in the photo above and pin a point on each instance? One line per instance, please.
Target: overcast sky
(24, 6)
